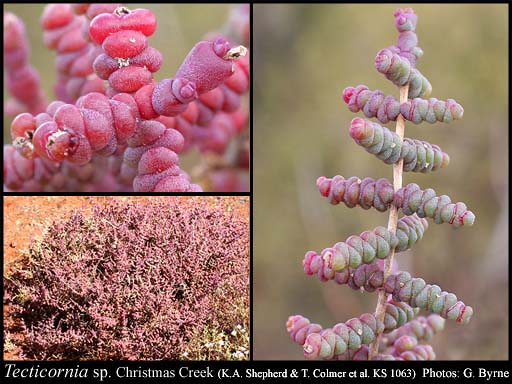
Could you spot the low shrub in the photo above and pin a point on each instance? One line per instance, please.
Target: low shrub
(129, 281)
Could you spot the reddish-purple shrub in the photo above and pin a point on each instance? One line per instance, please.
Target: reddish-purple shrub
(128, 281)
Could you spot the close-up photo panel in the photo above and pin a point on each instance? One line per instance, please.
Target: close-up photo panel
(381, 182)
(135, 98)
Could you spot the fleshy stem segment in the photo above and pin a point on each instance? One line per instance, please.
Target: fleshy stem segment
(380, 311)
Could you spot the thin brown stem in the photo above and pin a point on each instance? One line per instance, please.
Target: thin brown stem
(380, 311)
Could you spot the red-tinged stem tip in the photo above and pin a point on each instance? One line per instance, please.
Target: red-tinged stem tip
(323, 187)
(347, 94)
(358, 129)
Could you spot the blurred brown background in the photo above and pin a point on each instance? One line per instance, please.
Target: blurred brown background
(180, 27)
(305, 55)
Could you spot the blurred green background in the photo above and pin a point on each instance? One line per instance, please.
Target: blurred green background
(180, 27)
(305, 55)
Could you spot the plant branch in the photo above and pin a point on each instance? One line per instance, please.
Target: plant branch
(392, 224)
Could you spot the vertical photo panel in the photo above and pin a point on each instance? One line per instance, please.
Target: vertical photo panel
(402, 115)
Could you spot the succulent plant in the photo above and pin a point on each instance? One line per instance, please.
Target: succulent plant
(366, 261)
(129, 280)
(113, 127)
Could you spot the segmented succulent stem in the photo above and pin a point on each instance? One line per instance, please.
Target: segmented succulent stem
(354, 261)
(397, 314)
(299, 327)
(387, 108)
(404, 288)
(422, 328)
(366, 193)
(360, 353)
(22, 79)
(372, 103)
(364, 248)
(417, 352)
(417, 293)
(366, 277)
(406, 348)
(431, 110)
(407, 45)
(418, 156)
(405, 20)
(409, 231)
(425, 203)
(329, 343)
(351, 334)
(400, 72)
